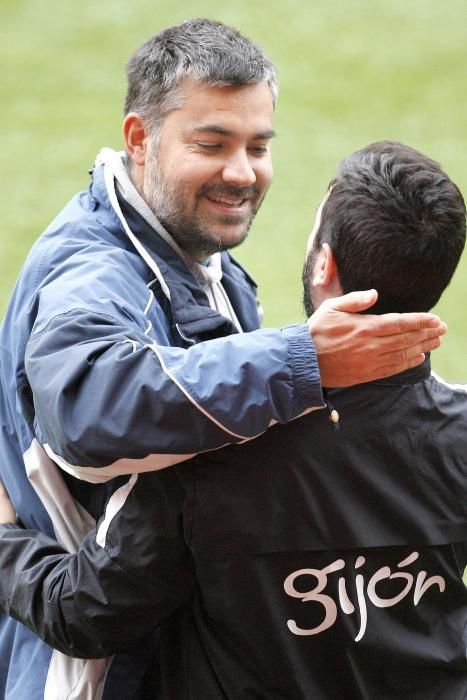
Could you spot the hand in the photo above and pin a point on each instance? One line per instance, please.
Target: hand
(355, 348)
(7, 512)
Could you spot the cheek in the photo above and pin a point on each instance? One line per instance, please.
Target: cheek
(190, 177)
(264, 173)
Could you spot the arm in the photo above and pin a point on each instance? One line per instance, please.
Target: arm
(98, 601)
(106, 396)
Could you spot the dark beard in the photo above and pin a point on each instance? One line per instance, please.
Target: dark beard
(306, 280)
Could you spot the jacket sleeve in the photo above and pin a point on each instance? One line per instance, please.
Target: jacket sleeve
(106, 396)
(108, 595)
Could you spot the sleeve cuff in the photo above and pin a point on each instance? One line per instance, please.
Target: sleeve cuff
(305, 368)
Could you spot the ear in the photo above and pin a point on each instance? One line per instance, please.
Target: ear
(325, 273)
(325, 276)
(136, 138)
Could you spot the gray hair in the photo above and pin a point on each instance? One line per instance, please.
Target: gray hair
(202, 50)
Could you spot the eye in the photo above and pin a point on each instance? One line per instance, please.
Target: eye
(260, 149)
(207, 146)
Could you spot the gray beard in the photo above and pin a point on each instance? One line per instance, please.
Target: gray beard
(189, 232)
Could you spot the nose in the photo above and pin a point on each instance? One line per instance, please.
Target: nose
(238, 170)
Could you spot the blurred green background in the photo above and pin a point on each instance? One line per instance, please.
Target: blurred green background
(350, 73)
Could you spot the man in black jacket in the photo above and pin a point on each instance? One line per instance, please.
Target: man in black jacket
(308, 563)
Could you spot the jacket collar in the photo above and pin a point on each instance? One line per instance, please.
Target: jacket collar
(410, 376)
(192, 315)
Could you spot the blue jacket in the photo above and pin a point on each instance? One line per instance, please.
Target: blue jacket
(109, 366)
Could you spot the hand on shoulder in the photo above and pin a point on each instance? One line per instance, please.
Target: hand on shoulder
(354, 348)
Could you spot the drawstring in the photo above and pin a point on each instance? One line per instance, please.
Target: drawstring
(334, 416)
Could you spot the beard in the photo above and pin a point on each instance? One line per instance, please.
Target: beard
(191, 231)
(308, 302)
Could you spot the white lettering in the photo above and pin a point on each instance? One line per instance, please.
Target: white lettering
(329, 607)
(421, 586)
(360, 583)
(385, 573)
(315, 595)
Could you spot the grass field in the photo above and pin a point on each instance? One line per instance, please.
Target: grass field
(351, 73)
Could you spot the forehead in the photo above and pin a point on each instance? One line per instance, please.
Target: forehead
(235, 108)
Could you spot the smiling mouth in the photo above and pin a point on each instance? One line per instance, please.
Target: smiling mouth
(231, 197)
(226, 201)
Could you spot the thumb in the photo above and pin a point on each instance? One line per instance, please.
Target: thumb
(354, 301)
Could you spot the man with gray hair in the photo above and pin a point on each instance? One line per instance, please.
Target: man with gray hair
(131, 340)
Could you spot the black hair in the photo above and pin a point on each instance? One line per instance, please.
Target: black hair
(395, 222)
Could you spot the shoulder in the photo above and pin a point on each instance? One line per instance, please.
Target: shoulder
(459, 390)
(83, 261)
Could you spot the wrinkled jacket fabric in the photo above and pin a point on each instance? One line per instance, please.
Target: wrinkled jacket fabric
(109, 369)
(307, 563)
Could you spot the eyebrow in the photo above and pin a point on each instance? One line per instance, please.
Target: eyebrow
(216, 129)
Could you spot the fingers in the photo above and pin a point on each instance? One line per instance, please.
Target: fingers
(426, 345)
(397, 361)
(402, 324)
(410, 343)
(354, 301)
(386, 324)
(419, 321)
(390, 370)
(409, 357)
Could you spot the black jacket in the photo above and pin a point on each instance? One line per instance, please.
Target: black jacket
(307, 564)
